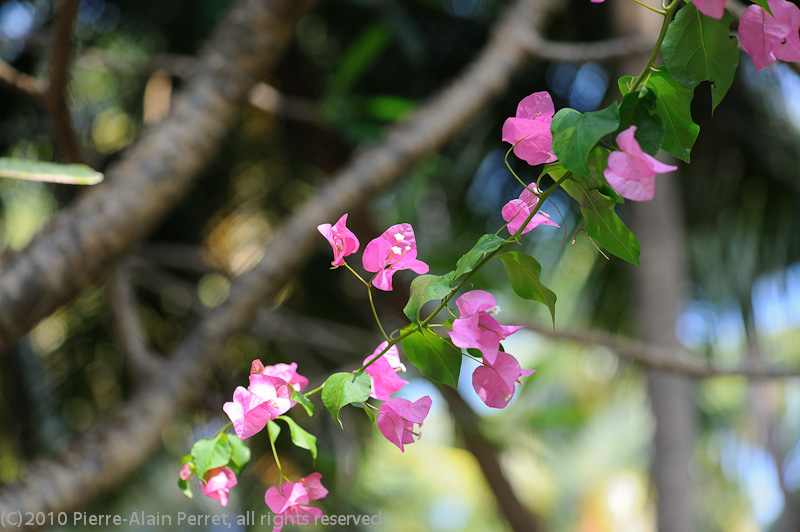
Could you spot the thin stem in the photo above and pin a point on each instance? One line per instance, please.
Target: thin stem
(221, 431)
(651, 8)
(670, 11)
(275, 454)
(375, 313)
(316, 390)
(509, 166)
(356, 274)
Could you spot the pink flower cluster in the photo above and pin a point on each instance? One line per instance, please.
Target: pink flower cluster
(288, 501)
(216, 484)
(769, 37)
(394, 250)
(496, 379)
(267, 397)
(398, 417)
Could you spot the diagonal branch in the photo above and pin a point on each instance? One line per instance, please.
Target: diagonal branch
(66, 140)
(663, 359)
(19, 82)
(86, 240)
(106, 454)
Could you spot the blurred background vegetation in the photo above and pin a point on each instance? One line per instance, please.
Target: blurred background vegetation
(575, 443)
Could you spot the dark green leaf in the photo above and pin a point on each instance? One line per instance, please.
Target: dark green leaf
(468, 261)
(300, 437)
(426, 288)
(240, 455)
(71, 174)
(344, 388)
(523, 274)
(637, 109)
(575, 134)
(210, 453)
(698, 48)
(436, 359)
(605, 227)
(305, 402)
(185, 487)
(673, 105)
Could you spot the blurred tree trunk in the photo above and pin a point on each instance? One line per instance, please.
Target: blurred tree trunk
(661, 290)
(660, 285)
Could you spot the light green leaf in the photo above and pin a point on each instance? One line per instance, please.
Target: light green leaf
(426, 288)
(185, 487)
(300, 437)
(274, 430)
(575, 134)
(303, 401)
(70, 174)
(603, 225)
(344, 388)
(210, 453)
(699, 48)
(436, 358)
(468, 261)
(240, 454)
(523, 274)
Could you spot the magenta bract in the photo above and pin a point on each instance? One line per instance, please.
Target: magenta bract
(631, 172)
(395, 249)
(530, 129)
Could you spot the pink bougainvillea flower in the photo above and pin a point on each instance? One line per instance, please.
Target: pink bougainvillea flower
(495, 383)
(516, 211)
(631, 172)
(476, 328)
(383, 371)
(530, 129)
(256, 367)
(265, 399)
(186, 472)
(395, 249)
(397, 419)
(288, 502)
(342, 239)
(218, 483)
(287, 373)
(314, 487)
(598, 1)
(712, 8)
(766, 38)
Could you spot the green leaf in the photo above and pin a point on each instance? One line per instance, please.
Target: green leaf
(604, 226)
(426, 288)
(71, 174)
(698, 48)
(185, 487)
(210, 453)
(240, 454)
(468, 261)
(304, 401)
(637, 109)
(523, 274)
(300, 437)
(673, 105)
(344, 388)
(274, 430)
(436, 358)
(575, 134)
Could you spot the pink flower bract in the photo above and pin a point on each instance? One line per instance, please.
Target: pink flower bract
(287, 373)
(398, 417)
(530, 129)
(631, 172)
(476, 328)
(383, 371)
(218, 483)
(766, 38)
(288, 502)
(266, 398)
(342, 239)
(495, 383)
(395, 249)
(516, 211)
(712, 8)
